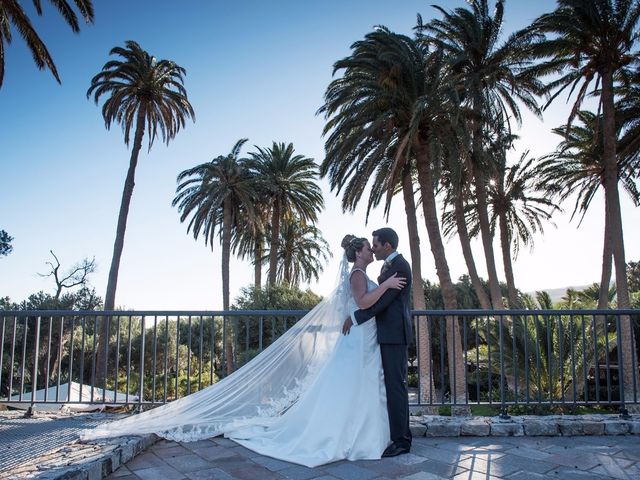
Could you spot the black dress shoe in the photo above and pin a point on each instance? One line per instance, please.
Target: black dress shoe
(394, 450)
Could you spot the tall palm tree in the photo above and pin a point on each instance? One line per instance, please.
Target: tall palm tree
(519, 204)
(457, 195)
(145, 94)
(381, 188)
(289, 182)
(11, 12)
(393, 106)
(585, 42)
(302, 252)
(576, 168)
(490, 77)
(218, 196)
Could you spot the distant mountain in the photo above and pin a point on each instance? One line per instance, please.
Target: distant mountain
(556, 294)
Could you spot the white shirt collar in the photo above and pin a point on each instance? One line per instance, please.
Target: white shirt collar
(390, 258)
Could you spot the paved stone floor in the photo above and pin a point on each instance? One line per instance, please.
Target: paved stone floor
(463, 458)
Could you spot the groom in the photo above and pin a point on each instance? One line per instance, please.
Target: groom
(393, 319)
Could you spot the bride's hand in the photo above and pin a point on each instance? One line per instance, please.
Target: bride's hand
(395, 282)
(346, 326)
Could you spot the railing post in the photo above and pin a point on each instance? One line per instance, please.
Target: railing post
(504, 415)
(2, 350)
(141, 381)
(34, 374)
(624, 413)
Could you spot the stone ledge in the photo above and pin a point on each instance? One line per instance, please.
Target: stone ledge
(83, 461)
(551, 425)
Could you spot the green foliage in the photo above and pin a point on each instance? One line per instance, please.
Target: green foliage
(5, 243)
(633, 276)
(542, 353)
(83, 299)
(251, 333)
(465, 294)
(277, 297)
(138, 81)
(302, 252)
(12, 13)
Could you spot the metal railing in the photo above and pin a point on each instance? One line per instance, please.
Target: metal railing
(460, 358)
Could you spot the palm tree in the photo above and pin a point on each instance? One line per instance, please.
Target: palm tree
(11, 12)
(250, 237)
(519, 204)
(577, 167)
(392, 107)
(594, 41)
(302, 252)
(148, 94)
(219, 196)
(289, 183)
(628, 114)
(490, 77)
(382, 187)
(145, 93)
(458, 195)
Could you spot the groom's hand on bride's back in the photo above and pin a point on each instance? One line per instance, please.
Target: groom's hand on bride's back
(395, 282)
(346, 326)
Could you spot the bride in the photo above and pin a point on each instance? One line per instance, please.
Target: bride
(313, 397)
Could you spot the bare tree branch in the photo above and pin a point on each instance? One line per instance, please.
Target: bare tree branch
(75, 276)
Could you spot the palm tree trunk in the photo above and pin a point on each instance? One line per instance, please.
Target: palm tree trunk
(607, 258)
(110, 296)
(612, 205)
(275, 235)
(605, 279)
(465, 243)
(505, 243)
(487, 240)
(226, 257)
(421, 327)
(257, 265)
(454, 345)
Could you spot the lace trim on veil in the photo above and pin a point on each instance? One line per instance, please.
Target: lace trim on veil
(256, 393)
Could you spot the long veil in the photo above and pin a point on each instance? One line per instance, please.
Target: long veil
(262, 389)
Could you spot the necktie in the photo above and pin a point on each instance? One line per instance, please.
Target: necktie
(385, 267)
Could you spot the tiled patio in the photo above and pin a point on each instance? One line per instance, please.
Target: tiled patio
(517, 458)
(45, 447)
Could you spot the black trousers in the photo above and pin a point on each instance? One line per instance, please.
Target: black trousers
(394, 364)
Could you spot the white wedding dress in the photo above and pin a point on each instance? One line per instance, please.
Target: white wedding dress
(313, 397)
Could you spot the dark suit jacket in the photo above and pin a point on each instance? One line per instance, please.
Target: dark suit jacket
(392, 310)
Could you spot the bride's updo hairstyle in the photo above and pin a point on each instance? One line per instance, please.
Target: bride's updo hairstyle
(351, 245)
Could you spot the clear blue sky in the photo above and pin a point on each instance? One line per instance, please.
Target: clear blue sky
(255, 70)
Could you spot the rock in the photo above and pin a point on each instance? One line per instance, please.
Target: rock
(443, 429)
(616, 427)
(475, 428)
(507, 429)
(418, 429)
(535, 427)
(571, 429)
(634, 427)
(593, 428)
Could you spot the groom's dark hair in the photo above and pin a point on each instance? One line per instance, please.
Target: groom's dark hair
(387, 235)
